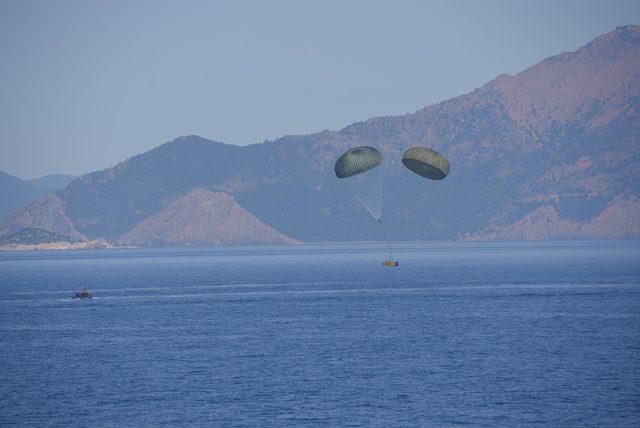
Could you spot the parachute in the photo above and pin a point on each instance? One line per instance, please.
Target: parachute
(366, 189)
(426, 162)
(359, 168)
(357, 160)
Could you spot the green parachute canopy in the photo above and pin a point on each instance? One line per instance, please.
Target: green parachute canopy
(426, 162)
(357, 160)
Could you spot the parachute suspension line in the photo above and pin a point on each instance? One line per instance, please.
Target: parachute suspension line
(370, 196)
(368, 191)
(384, 232)
(380, 188)
(375, 213)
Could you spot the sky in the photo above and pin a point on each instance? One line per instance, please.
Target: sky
(86, 84)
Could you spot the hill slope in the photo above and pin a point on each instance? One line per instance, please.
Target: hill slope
(202, 217)
(552, 152)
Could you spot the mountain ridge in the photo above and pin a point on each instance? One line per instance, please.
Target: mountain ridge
(563, 134)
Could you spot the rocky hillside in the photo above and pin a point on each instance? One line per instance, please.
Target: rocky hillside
(552, 152)
(202, 217)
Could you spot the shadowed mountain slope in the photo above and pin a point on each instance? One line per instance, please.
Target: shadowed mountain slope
(53, 181)
(553, 152)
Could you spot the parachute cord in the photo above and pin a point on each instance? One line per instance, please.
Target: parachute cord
(380, 193)
(374, 213)
(384, 233)
(372, 202)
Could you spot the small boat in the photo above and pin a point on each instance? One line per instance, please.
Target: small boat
(84, 294)
(390, 263)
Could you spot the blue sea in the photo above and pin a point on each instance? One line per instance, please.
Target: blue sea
(492, 334)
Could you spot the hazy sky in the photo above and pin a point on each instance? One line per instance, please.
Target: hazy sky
(86, 84)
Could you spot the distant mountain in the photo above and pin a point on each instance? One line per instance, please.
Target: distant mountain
(53, 181)
(552, 152)
(15, 193)
(202, 217)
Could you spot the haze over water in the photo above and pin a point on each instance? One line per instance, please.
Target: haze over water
(482, 333)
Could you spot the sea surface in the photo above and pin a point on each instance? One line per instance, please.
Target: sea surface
(492, 334)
